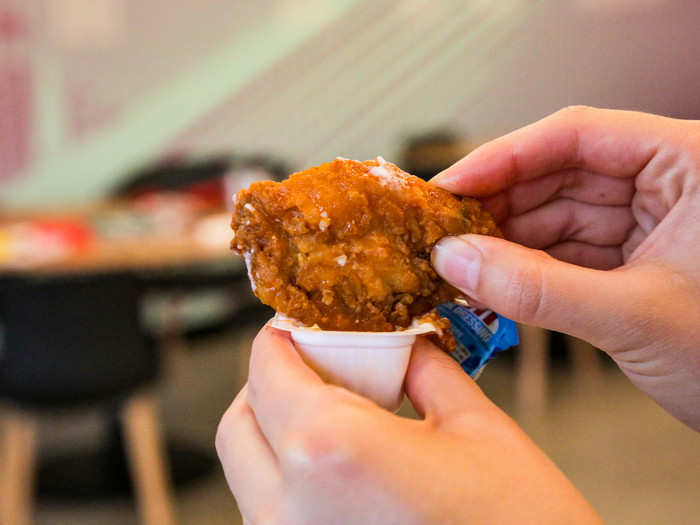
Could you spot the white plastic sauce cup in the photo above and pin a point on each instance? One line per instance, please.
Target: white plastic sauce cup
(373, 364)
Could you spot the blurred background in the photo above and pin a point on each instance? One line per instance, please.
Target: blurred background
(125, 128)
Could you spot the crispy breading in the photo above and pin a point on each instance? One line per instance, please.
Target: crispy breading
(346, 245)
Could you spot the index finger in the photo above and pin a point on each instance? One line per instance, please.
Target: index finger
(608, 142)
(280, 385)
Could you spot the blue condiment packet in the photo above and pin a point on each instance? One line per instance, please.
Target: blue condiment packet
(480, 335)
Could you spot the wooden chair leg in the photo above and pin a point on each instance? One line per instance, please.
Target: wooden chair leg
(17, 465)
(531, 371)
(145, 450)
(587, 366)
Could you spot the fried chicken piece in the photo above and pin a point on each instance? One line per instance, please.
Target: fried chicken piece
(346, 245)
(442, 337)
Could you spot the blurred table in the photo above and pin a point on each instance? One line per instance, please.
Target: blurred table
(130, 255)
(114, 236)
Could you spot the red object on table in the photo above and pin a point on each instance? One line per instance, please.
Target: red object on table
(210, 191)
(72, 234)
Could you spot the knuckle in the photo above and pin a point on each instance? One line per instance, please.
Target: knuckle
(319, 449)
(265, 516)
(254, 391)
(574, 112)
(525, 294)
(222, 437)
(224, 430)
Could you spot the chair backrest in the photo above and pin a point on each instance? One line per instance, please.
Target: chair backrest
(72, 340)
(172, 176)
(203, 176)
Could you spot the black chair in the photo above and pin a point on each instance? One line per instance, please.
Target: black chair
(172, 177)
(425, 155)
(72, 341)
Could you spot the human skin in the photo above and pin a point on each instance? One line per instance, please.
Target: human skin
(601, 212)
(296, 450)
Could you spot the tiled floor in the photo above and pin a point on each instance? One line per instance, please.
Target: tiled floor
(633, 462)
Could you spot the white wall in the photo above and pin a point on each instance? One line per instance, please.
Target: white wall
(312, 80)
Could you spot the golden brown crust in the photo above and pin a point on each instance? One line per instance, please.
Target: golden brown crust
(346, 245)
(442, 337)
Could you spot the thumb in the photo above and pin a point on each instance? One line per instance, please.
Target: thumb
(436, 385)
(531, 287)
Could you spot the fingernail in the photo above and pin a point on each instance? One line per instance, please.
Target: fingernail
(458, 262)
(442, 179)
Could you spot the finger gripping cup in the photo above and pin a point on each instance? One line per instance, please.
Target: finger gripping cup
(372, 364)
